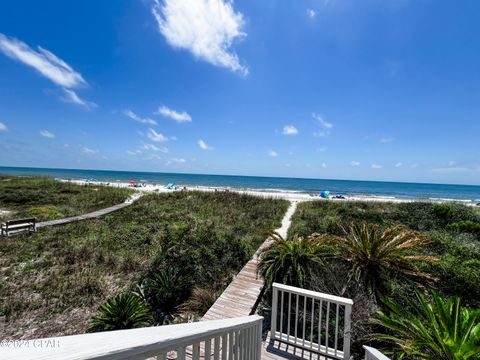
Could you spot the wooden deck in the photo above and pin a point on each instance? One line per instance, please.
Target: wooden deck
(241, 297)
(92, 215)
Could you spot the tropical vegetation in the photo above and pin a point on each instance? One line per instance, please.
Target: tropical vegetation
(439, 328)
(291, 261)
(384, 254)
(124, 311)
(375, 256)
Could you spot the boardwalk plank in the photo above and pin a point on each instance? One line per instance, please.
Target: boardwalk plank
(241, 295)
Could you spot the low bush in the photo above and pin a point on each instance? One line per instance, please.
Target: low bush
(467, 226)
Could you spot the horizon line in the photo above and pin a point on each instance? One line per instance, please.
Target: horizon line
(236, 175)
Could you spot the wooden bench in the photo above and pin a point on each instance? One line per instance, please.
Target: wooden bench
(14, 226)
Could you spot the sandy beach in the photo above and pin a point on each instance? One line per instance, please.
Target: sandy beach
(276, 194)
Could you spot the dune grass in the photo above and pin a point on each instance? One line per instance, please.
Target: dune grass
(54, 280)
(48, 199)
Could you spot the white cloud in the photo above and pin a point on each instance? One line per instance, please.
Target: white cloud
(311, 13)
(175, 160)
(156, 136)
(386, 140)
(45, 62)
(207, 28)
(49, 65)
(325, 124)
(89, 151)
(272, 153)
(203, 145)
(451, 163)
(324, 165)
(322, 149)
(376, 166)
(290, 130)
(175, 115)
(135, 117)
(133, 152)
(152, 147)
(355, 163)
(47, 134)
(398, 164)
(3, 127)
(73, 98)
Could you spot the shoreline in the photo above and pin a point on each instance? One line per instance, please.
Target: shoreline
(290, 195)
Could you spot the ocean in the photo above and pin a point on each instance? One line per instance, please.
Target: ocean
(403, 190)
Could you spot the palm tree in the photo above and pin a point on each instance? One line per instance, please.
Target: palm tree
(375, 257)
(291, 262)
(125, 311)
(440, 329)
(164, 291)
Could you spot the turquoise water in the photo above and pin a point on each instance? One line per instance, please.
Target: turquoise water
(311, 186)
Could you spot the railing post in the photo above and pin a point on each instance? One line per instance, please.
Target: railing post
(259, 339)
(347, 332)
(273, 327)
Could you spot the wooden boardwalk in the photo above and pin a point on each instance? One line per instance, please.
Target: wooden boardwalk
(241, 296)
(92, 215)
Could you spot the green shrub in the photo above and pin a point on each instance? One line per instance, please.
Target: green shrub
(426, 216)
(461, 276)
(467, 226)
(164, 290)
(462, 245)
(126, 311)
(41, 213)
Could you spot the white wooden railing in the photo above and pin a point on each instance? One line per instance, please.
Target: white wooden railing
(227, 339)
(304, 319)
(374, 354)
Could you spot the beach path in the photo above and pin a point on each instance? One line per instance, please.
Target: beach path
(242, 294)
(91, 215)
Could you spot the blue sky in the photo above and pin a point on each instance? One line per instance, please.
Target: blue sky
(371, 89)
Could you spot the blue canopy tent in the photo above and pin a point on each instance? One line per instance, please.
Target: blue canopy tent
(324, 194)
(171, 186)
